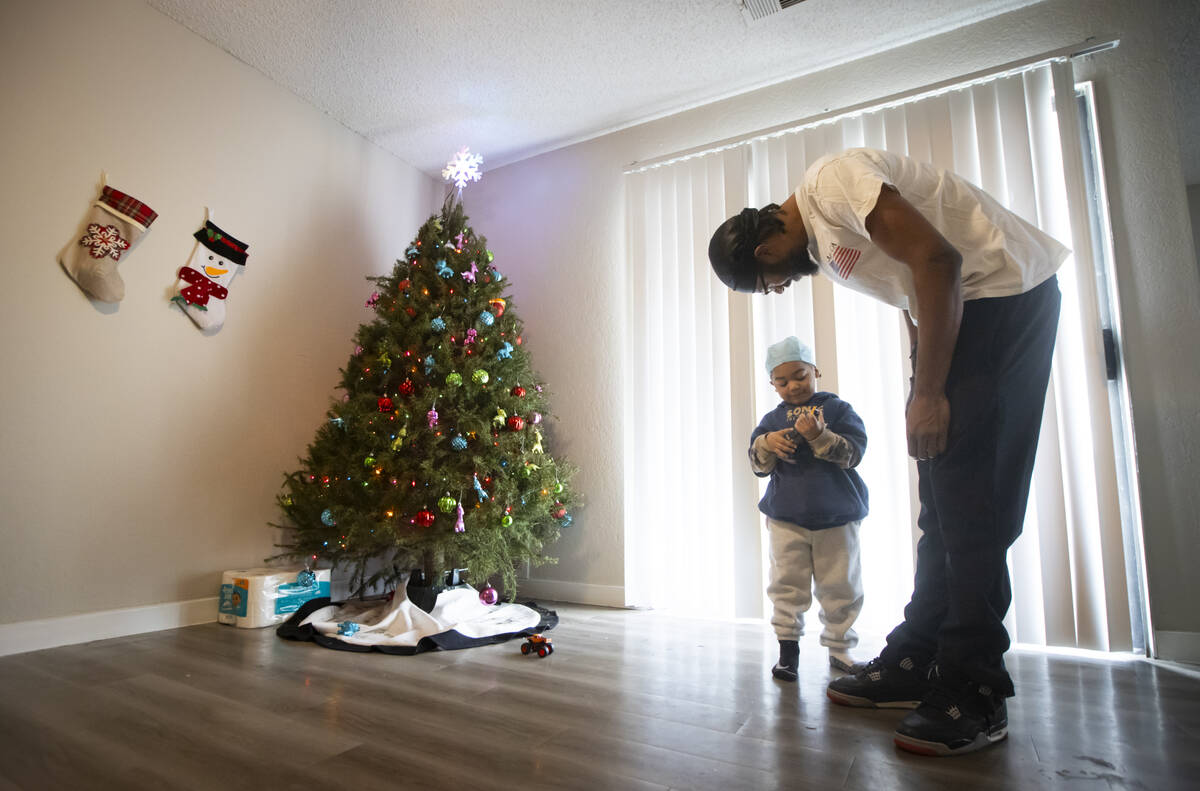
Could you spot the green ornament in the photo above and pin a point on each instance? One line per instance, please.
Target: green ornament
(490, 257)
(447, 504)
(507, 521)
(480, 377)
(453, 379)
(369, 461)
(558, 488)
(287, 502)
(526, 472)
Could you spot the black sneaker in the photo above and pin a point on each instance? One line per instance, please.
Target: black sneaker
(880, 686)
(788, 666)
(953, 720)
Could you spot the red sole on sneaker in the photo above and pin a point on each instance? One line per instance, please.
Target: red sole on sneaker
(938, 750)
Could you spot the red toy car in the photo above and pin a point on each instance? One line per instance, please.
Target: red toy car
(536, 642)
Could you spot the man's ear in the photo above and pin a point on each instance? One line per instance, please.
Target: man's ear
(816, 372)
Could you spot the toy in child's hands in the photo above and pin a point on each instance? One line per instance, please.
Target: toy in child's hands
(539, 643)
(810, 421)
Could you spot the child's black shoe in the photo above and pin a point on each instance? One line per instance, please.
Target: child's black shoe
(788, 666)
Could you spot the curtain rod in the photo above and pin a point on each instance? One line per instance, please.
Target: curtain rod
(1088, 47)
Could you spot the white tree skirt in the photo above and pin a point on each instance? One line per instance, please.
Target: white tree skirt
(458, 620)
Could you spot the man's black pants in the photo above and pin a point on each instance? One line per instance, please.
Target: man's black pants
(973, 496)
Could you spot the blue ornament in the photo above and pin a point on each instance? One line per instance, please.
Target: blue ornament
(443, 269)
(306, 578)
(348, 628)
(487, 319)
(566, 520)
(411, 251)
(337, 421)
(438, 324)
(479, 490)
(428, 364)
(458, 443)
(505, 351)
(327, 518)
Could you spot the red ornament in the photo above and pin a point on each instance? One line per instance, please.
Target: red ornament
(385, 404)
(410, 311)
(518, 391)
(516, 422)
(403, 284)
(558, 511)
(407, 387)
(425, 518)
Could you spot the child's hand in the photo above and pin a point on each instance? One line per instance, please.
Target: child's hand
(782, 443)
(810, 423)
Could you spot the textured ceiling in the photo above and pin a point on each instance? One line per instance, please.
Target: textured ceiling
(513, 78)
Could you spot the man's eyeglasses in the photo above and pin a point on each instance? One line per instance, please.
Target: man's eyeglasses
(762, 284)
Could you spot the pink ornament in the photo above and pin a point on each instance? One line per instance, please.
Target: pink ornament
(373, 299)
(489, 595)
(459, 527)
(535, 418)
(433, 417)
(471, 333)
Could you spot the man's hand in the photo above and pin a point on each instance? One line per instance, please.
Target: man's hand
(928, 425)
(810, 423)
(782, 443)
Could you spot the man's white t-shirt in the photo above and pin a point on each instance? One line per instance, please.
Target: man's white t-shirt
(1002, 254)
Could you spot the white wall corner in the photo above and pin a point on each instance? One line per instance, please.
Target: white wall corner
(23, 636)
(1178, 646)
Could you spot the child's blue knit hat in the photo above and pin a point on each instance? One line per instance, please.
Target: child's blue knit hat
(789, 350)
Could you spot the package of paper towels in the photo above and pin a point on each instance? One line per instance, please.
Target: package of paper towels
(261, 597)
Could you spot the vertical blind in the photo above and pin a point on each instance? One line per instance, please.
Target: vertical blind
(696, 385)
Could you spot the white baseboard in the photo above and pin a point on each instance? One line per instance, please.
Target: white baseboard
(22, 636)
(573, 592)
(1178, 646)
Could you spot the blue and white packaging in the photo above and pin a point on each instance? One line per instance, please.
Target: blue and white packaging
(251, 598)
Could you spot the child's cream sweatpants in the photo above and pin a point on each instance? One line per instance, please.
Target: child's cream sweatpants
(826, 560)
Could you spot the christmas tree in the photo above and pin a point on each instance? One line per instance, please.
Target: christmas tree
(435, 456)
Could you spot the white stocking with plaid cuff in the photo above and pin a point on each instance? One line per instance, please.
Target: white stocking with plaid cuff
(113, 225)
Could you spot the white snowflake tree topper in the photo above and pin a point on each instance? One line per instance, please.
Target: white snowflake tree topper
(463, 168)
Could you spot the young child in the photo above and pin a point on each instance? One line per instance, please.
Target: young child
(809, 445)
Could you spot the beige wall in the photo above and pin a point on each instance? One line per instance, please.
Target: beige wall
(140, 457)
(560, 217)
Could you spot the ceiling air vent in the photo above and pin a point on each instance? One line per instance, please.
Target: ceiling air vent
(757, 10)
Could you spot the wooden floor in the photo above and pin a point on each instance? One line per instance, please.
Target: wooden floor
(629, 700)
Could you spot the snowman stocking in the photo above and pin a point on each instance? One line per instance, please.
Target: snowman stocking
(113, 224)
(204, 282)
